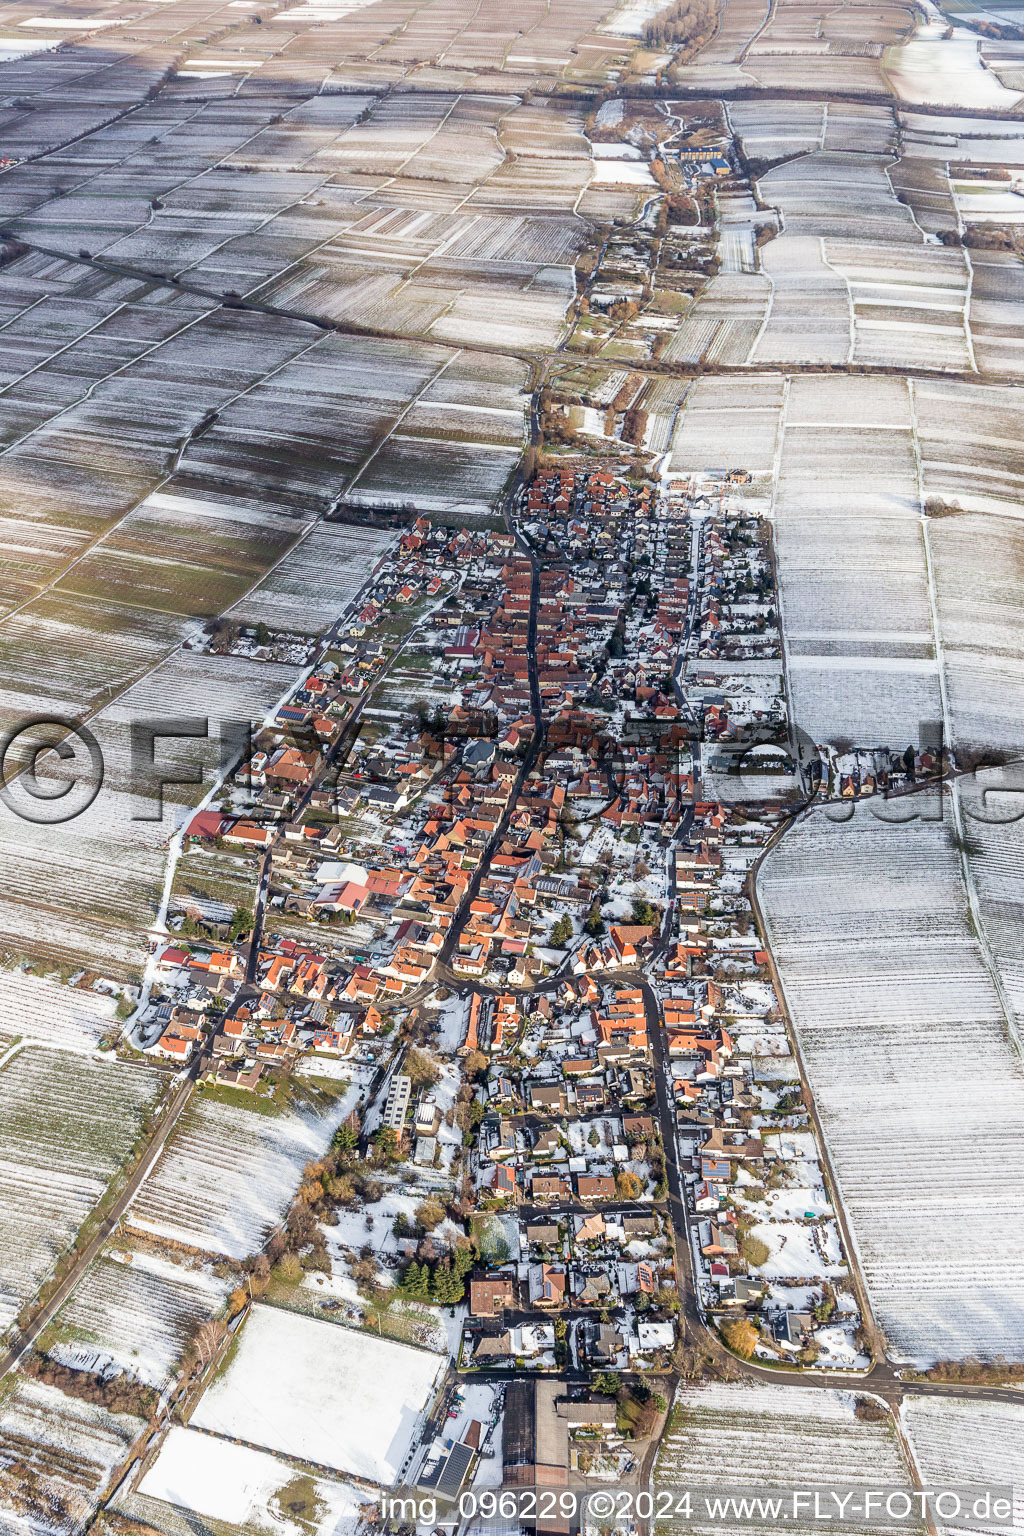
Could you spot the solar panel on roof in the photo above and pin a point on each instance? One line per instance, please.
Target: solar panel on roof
(451, 1477)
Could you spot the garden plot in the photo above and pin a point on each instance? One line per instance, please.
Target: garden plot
(321, 1392)
(57, 1456)
(373, 1226)
(960, 1443)
(919, 1089)
(313, 585)
(799, 1251)
(228, 1174)
(760, 1437)
(212, 883)
(67, 1124)
(134, 1312)
(242, 1488)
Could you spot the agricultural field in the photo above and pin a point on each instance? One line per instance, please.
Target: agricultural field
(965, 1444)
(855, 603)
(978, 559)
(228, 1174)
(724, 323)
(166, 459)
(833, 194)
(134, 1312)
(57, 1456)
(38, 1008)
(943, 71)
(918, 1085)
(329, 1394)
(67, 1124)
(87, 890)
(727, 422)
(808, 318)
(773, 130)
(859, 615)
(314, 583)
(759, 1437)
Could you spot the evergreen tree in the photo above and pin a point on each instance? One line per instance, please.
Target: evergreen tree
(561, 932)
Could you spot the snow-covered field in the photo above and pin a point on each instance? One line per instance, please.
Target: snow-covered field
(326, 1393)
(920, 1090)
(36, 1008)
(134, 1312)
(946, 72)
(960, 1443)
(756, 1437)
(228, 1174)
(314, 582)
(67, 1122)
(67, 1450)
(218, 1480)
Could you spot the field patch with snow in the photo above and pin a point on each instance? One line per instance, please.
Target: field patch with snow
(65, 1450)
(228, 1174)
(759, 1437)
(238, 1486)
(67, 1123)
(134, 1312)
(323, 1392)
(918, 1085)
(964, 1443)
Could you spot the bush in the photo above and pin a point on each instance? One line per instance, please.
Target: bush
(627, 1185)
(429, 1214)
(740, 1335)
(288, 1269)
(754, 1251)
(423, 1071)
